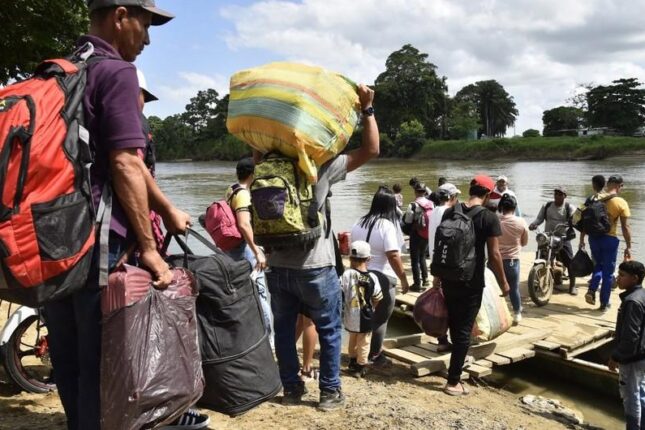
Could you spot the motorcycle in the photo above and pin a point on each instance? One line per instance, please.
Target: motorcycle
(24, 350)
(548, 270)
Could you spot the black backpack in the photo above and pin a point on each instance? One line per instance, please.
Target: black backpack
(454, 246)
(594, 219)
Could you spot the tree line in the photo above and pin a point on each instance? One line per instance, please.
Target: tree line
(619, 107)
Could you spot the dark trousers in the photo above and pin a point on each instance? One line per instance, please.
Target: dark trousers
(463, 304)
(418, 248)
(74, 327)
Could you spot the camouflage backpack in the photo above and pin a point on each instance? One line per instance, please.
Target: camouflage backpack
(285, 212)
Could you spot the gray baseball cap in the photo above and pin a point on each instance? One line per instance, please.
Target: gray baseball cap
(159, 16)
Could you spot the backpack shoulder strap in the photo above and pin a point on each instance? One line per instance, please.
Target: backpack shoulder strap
(547, 206)
(236, 189)
(475, 211)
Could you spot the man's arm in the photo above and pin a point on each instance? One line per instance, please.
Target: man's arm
(243, 218)
(539, 219)
(627, 234)
(175, 220)
(130, 187)
(370, 143)
(496, 263)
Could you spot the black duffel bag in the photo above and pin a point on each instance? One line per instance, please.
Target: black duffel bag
(238, 363)
(581, 264)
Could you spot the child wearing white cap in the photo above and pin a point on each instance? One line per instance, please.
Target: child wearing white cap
(361, 293)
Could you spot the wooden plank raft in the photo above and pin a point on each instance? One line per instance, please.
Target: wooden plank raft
(420, 352)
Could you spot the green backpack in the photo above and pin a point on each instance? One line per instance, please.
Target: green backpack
(285, 211)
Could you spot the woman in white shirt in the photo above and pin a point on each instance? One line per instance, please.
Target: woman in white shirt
(380, 228)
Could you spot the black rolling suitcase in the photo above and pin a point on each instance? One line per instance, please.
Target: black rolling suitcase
(238, 363)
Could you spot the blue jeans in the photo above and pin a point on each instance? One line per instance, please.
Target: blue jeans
(244, 251)
(318, 291)
(512, 272)
(604, 250)
(632, 391)
(74, 326)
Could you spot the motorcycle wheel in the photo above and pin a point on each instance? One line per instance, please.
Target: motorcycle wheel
(540, 284)
(26, 357)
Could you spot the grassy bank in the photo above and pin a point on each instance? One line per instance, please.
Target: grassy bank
(534, 148)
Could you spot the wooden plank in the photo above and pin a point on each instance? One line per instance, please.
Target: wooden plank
(484, 363)
(546, 345)
(431, 347)
(504, 342)
(570, 354)
(444, 373)
(405, 356)
(517, 329)
(478, 371)
(420, 351)
(401, 341)
(498, 360)
(517, 354)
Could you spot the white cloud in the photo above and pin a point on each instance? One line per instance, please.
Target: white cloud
(186, 86)
(539, 51)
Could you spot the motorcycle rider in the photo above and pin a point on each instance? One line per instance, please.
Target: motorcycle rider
(555, 212)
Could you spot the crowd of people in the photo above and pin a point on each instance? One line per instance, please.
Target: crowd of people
(302, 292)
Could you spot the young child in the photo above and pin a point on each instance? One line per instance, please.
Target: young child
(361, 292)
(629, 351)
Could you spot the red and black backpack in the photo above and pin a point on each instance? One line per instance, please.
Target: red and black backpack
(47, 217)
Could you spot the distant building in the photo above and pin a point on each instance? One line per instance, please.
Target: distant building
(597, 131)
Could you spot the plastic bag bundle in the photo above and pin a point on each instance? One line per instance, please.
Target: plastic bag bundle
(493, 318)
(581, 264)
(301, 111)
(151, 369)
(430, 312)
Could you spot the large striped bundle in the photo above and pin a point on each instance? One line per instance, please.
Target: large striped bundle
(303, 112)
(494, 317)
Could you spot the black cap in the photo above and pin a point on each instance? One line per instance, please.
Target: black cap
(615, 179)
(159, 16)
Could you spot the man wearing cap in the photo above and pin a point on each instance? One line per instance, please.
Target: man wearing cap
(501, 188)
(604, 248)
(118, 33)
(463, 298)
(556, 212)
(418, 236)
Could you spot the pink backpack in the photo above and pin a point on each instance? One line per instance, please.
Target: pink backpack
(221, 223)
(422, 218)
(430, 312)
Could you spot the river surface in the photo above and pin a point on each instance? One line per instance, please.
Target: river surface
(192, 186)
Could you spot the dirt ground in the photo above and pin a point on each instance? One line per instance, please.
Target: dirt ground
(389, 399)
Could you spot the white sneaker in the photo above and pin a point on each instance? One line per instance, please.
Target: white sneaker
(517, 318)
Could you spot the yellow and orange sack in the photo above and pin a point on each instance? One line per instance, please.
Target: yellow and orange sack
(302, 111)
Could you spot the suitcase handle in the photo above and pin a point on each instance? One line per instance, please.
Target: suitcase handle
(22, 136)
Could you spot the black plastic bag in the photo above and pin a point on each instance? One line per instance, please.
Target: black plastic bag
(150, 364)
(581, 265)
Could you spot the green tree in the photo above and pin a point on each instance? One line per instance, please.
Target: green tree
(410, 138)
(531, 132)
(496, 107)
(620, 106)
(201, 109)
(173, 138)
(463, 119)
(562, 121)
(34, 30)
(410, 89)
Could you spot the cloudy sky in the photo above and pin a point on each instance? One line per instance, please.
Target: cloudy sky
(539, 50)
